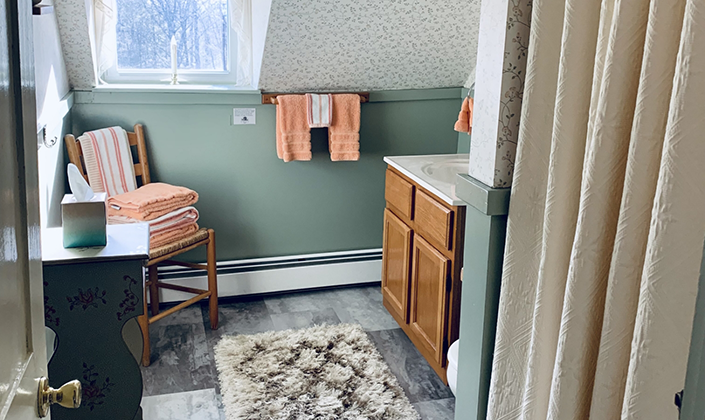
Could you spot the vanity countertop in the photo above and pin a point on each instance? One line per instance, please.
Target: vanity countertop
(436, 173)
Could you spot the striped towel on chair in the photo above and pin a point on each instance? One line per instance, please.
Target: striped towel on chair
(108, 161)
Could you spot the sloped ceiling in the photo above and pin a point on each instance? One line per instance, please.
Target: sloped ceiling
(369, 44)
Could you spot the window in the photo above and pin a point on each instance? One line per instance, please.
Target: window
(205, 44)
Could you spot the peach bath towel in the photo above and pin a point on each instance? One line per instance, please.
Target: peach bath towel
(293, 132)
(151, 201)
(344, 131)
(464, 123)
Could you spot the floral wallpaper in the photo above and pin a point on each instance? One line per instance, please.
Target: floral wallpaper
(518, 25)
(75, 42)
(369, 44)
(499, 88)
(335, 44)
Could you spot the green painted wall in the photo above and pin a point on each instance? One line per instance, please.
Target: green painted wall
(261, 206)
(463, 143)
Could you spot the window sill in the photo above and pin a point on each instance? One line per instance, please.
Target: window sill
(169, 94)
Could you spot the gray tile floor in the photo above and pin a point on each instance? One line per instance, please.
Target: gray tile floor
(182, 381)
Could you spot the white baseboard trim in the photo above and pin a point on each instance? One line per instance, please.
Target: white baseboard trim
(279, 274)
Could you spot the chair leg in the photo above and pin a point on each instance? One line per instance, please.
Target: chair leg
(153, 289)
(212, 280)
(143, 321)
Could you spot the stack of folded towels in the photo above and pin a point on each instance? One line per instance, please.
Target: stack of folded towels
(167, 208)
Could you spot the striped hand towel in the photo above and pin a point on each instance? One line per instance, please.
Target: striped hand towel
(319, 110)
(108, 161)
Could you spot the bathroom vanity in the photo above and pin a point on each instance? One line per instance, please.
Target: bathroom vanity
(424, 226)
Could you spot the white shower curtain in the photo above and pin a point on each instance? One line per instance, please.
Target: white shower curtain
(607, 214)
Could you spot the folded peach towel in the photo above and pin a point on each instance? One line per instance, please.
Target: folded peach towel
(344, 130)
(464, 123)
(293, 132)
(172, 235)
(151, 201)
(176, 218)
(170, 227)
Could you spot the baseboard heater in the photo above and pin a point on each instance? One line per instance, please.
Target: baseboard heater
(279, 274)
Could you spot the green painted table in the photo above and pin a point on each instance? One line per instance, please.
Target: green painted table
(89, 296)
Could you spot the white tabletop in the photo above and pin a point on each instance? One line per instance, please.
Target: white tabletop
(125, 242)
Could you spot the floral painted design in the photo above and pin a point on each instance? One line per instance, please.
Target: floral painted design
(88, 299)
(334, 45)
(94, 389)
(50, 318)
(131, 300)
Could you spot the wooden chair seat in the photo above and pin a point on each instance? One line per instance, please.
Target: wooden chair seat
(163, 254)
(198, 236)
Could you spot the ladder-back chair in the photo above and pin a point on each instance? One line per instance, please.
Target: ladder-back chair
(162, 254)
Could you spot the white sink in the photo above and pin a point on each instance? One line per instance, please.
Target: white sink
(447, 170)
(435, 173)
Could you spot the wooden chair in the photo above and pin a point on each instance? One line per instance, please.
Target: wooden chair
(163, 254)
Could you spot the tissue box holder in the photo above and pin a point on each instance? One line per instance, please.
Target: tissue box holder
(84, 222)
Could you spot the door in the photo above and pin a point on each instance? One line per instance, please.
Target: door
(396, 260)
(22, 347)
(429, 297)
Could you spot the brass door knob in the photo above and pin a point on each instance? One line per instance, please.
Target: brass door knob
(69, 396)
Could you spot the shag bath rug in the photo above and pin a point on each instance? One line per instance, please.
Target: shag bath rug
(326, 372)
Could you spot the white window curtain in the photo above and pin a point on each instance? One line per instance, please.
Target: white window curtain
(241, 22)
(607, 214)
(103, 35)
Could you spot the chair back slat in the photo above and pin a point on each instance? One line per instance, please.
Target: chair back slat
(135, 139)
(132, 139)
(73, 147)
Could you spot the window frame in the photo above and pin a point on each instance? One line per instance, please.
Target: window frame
(113, 75)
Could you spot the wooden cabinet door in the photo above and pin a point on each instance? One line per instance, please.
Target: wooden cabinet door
(396, 260)
(429, 298)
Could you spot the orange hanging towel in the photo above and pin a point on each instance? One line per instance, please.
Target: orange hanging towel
(464, 123)
(293, 132)
(344, 130)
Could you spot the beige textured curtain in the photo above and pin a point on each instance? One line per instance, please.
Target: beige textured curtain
(607, 215)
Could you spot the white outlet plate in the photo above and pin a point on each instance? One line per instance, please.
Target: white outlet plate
(244, 116)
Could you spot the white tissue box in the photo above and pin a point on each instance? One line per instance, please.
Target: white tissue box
(84, 221)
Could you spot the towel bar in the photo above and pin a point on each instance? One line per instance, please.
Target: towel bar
(271, 98)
